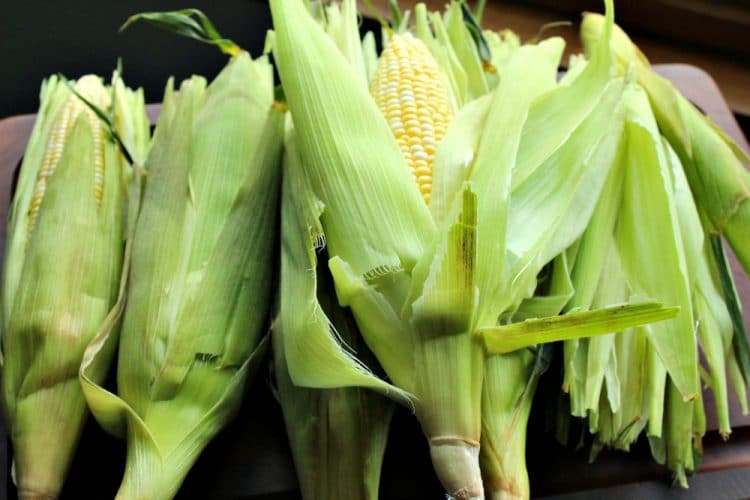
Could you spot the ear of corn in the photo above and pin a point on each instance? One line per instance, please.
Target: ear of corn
(200, 275)
(337, 435)
(376, 292)
(62, 270)
(466, 51)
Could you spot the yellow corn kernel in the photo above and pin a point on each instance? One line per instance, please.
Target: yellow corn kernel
(409, 91)
(90, 88)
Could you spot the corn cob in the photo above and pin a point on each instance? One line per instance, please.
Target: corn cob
(62, 270)
(200, 276)
(408, 90)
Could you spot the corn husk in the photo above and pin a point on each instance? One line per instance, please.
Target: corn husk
(712, 162)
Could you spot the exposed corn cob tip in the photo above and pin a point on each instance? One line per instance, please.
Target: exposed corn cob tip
(409, 90)
(62, 270)
(91, 88)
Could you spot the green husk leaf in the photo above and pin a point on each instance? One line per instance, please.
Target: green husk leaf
(449, 300)
(62, 268)
(612, 290)
(490, 172)
(656, 389)
(505, 411)
(541, 219)
(190, 23)
(739, 339)
(104, 117)
(712, 163)
(713, 322)
(560, 291)
(464, 44)
(650, 245)
(566, 108)
(342, 26)
(396, 18)
(508, 338)
(472, 25)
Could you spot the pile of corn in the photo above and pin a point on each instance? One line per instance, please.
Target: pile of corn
(446, 210)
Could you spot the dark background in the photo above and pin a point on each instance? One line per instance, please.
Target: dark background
(75, 37)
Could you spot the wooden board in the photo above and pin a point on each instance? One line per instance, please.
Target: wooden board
(251, 459)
